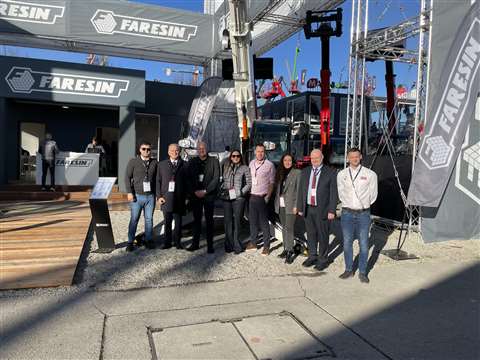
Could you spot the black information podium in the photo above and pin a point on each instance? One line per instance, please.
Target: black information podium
(100, 214)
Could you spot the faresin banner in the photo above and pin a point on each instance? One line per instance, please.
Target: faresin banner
(450, 111)
(112, 27)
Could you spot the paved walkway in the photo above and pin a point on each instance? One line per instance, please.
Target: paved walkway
(410, 310)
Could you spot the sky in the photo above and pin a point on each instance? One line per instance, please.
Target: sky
(382, 13)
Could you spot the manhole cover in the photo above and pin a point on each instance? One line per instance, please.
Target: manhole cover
(271, 336)
(280, 336)
(213, 340)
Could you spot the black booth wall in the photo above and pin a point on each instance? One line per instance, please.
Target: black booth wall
(74, 127)
(172, 102)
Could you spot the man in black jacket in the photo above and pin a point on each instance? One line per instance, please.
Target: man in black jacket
(171, 181)
(204, 178)
(317, 201)
(140, 179)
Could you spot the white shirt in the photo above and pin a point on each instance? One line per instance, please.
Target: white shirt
(318, 170)
(357, 188)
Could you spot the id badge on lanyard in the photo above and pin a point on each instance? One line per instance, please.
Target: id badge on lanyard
(232, 194)
(282, 201)
(200, 177)
(171, 186)
(146, 186)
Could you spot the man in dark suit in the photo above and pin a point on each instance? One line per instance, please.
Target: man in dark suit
(203, 180)
(317, 201)
(171, 178)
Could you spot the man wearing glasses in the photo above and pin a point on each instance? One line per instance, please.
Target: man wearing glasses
(140, 181)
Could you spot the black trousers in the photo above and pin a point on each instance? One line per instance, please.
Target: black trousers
(317, 234)
(258, 218)
(48, 165)
(288, 225)
(199, 206)
(177, 233)
(233, 213)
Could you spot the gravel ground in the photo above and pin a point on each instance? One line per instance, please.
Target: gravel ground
(120, 270)
(158, 268)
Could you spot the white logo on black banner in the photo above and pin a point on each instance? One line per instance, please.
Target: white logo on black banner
(467, 175)
(437, 148)
(30, 12)
(25, 81)
(107, 22)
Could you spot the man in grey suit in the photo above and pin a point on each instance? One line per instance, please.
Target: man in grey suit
(171, 188)
(317, 202)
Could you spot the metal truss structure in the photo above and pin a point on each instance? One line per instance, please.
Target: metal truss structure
(387, 44)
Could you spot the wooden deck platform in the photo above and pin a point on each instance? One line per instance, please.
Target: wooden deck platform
(41, 242)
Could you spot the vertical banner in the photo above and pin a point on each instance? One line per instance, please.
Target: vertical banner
(450, 110)
(201, 110)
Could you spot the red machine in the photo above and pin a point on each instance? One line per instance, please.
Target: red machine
(318, 24)
(274, 91)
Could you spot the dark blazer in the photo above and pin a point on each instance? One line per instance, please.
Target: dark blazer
(327, 196)
(174, 201)
(290, 192)
(211, 179)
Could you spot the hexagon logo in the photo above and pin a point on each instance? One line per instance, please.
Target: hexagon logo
(20, 80)
(104, 22)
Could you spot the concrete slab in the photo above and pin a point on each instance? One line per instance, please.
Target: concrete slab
(197, 295)
(212, 340)
(120, 330)
(50, 327)
(410, 310)
(275, 336)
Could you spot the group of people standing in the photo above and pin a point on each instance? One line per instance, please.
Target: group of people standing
(312, 193)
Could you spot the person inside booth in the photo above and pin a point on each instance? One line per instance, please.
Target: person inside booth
(95, 147)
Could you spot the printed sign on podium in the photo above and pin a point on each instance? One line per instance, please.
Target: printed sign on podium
(100, 214)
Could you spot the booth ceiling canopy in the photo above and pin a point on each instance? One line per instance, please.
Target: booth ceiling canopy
(135, 30)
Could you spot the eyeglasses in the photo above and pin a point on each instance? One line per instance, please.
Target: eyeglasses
(235, 156)
(146, 149)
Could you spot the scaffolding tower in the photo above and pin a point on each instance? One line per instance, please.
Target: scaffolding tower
(387, 44)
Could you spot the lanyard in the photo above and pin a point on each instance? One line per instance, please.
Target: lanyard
(146, 164)
(232, 178)
(174, 168)
(256, 168)
(354, 178)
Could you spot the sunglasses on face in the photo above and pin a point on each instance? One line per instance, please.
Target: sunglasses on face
(235, 156)
(146, 149)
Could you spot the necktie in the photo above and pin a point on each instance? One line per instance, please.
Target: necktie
(313, 197)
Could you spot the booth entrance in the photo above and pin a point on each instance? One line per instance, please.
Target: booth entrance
(31, 135)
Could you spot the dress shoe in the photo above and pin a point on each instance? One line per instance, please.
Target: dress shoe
(321, 266)
(290, 257)
(251, 247)
(363, 278)
(309, 262)
(265, 251)
(228, 250)
(130, 247)
(179, 246)
(166, 246)
(283, 254)
(210, 250)
(193, 248)
(149, 244)
(346, 274)
(237, 252)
